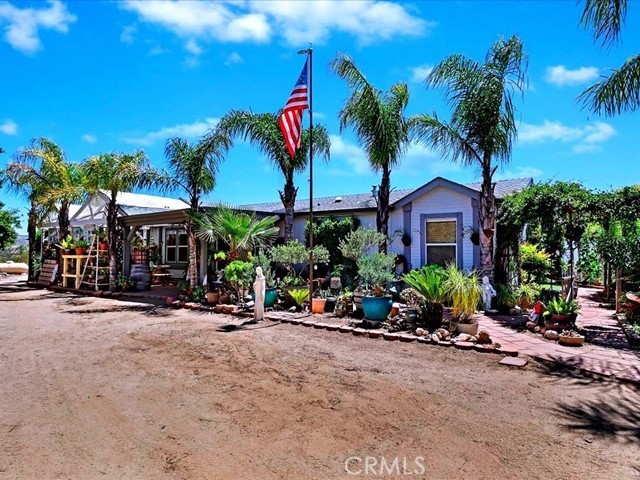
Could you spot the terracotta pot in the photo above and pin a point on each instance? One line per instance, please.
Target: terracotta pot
(79, 250)
(395, 309)
(573, 341)
(317, 305)
(103, 246)
(213, 297)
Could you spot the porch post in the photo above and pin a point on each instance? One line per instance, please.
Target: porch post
(203, 261)
(126, 253)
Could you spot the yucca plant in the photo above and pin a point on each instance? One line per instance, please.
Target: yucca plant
(464, 291)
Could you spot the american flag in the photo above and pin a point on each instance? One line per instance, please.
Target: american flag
(291, 119)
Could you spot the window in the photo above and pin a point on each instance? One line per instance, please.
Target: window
(177, 247)
(441, 241)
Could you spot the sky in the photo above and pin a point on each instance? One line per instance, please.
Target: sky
(104, 76)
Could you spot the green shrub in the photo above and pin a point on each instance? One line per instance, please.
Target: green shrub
(376, 269)
(505, 298)
(464, 291)
(536, 264)
(299, 295)
(429, 281)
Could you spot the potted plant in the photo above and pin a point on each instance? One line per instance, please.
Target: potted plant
(239, 274)
(212, 295)
(319, 301)
(465, 293)
(415, 301)
(125, 284)
(375, 270)
(67, 244)
(429, 282)
(344, 304)
(299, 296)
(101, 233)
(571, 337)
(80, 246)
(336, 281)
(561, 314)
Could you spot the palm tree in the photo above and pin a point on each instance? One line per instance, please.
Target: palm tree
(482, 126)
(240, 230)
(620, 91)
(193, 169)
(51, 183)
(115, 173)
(29, 186)
(61, 182)
(262, 131)
(380, 125)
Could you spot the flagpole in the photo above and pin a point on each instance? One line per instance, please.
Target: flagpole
(310, 176)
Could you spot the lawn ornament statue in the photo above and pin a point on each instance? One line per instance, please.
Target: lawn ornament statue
(259, 288)
(488, 293)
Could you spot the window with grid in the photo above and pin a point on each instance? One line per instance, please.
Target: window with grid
(177, 247)
(441, 241)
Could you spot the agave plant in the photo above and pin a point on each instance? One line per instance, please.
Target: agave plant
(464, 291)
(559, 306)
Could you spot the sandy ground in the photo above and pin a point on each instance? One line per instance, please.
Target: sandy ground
(96, 388)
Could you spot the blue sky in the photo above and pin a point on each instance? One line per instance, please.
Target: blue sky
(116, 76)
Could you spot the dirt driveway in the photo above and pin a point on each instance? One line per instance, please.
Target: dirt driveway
(96, 388)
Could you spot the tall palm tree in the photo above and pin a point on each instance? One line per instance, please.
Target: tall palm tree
(240, 230)
(620, 91)
(482, 126)
(193, 169)
(262, 131)
(42, 172)
(116, 173)
(380, 125)
(31, 187)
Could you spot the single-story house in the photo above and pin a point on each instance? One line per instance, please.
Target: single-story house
(439, 219)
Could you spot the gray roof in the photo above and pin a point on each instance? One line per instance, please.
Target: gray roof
(137, 210)
(364, 201)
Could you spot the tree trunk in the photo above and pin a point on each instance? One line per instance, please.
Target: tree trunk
(382, 215)
(288, 198)
(63, 230)
(112, 231)
(487, 218)
(31, 235)
(192, 274)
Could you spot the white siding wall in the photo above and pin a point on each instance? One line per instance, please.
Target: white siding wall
(437, 201)
(396, 224)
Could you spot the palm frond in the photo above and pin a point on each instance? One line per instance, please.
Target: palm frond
(606, 18)
(618, 93)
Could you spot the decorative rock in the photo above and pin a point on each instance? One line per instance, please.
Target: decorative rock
(536, 329)
(464, 338)
(551, 335)
(464, 345)
(531, 326)
(435, 338)
(483, 337)
(443, 333)
(421, 332)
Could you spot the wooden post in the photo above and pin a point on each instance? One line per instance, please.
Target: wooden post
(618, 290)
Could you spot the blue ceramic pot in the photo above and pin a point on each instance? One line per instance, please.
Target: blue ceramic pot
(270, 297)
(376, 308)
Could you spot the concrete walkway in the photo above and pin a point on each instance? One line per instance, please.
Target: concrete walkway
(616, 359)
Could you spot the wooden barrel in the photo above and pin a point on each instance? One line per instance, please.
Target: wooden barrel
(139, 256)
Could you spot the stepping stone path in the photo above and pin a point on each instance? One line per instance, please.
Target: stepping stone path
(513, 361)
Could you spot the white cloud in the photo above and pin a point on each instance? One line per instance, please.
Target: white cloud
(186, 130)
(419, 73)
(193, 48)
(9, 127)
(519, 172)
(561, 76)
(22, 26)
(234, 59)
(294, 22)
(126, 36)
(586, 139)
(89, 138)
(352, 154)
